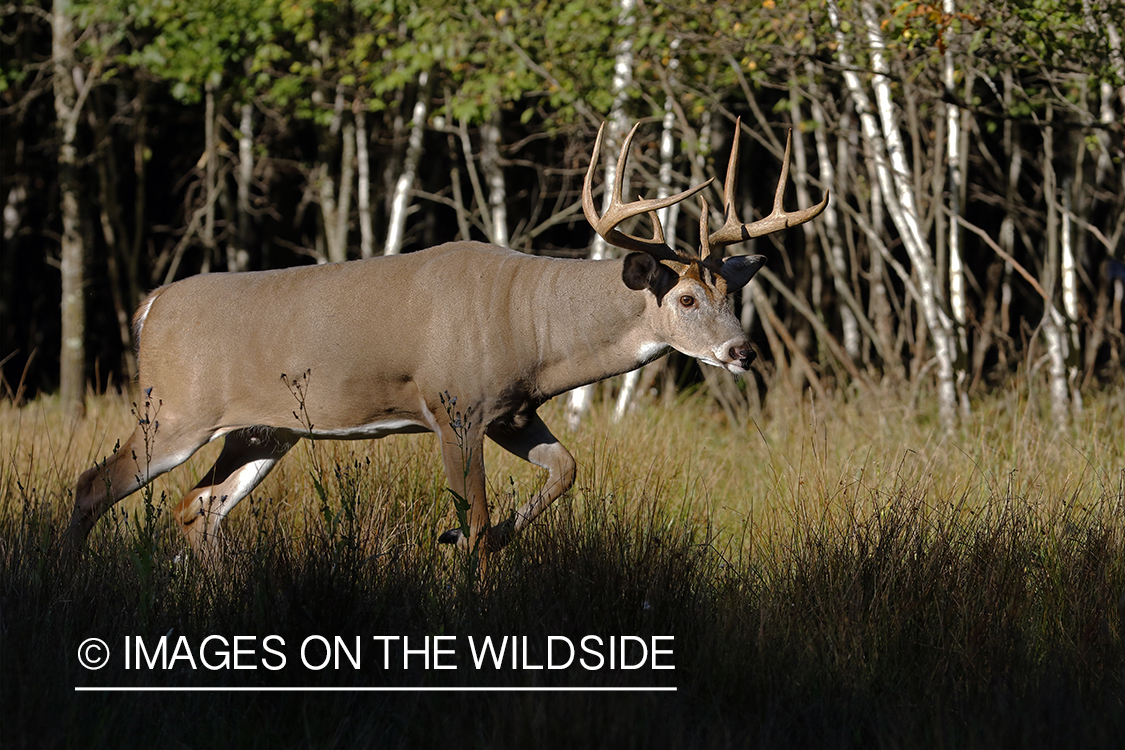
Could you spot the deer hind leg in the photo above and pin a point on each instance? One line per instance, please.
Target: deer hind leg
(534, 443)
(147, 454)
(246, 459)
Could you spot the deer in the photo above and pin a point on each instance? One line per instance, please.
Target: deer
(465, 340)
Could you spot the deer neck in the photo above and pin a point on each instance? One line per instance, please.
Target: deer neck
(599, 328)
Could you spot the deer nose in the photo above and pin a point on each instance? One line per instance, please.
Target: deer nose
(743, 354)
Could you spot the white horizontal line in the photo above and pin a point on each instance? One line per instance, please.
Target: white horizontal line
(299, 689)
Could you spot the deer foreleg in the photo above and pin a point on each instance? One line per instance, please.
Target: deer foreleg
(462, 451)
(534, 443)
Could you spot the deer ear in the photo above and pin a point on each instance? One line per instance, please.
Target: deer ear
(740, 269)
(639, 270)
(642, 271)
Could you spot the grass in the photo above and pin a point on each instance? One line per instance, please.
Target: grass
(836, 574)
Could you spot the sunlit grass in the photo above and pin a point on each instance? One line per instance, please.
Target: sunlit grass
(838, 573)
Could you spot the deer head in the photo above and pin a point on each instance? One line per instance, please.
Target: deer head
(697, 287)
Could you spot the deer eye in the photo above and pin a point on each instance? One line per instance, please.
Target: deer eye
(687, 300)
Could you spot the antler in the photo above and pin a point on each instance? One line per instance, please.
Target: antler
(606, 225)
(734, 230)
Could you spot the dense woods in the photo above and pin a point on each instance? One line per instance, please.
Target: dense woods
(973, 152)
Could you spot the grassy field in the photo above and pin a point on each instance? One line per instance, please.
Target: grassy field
(833, 574)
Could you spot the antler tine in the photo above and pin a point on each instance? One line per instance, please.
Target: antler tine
(704, 220)
(617, 212)
(588, 207)
(735, 231)
(732, 226)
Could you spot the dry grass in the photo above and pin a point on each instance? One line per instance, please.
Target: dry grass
(836, 574)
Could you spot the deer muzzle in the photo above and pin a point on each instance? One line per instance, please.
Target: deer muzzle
(736, 355)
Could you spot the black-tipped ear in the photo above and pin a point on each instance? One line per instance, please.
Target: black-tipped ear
(642, 271)
(740, 269)
(639, 271)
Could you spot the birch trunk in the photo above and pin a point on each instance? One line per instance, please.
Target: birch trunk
(956, 268)
(238, 252)
(879, 307)
(339, 252)
(68, 106)
(667, 215)
(582, 397)
(401, 200)
(898, 194)
(1052, 319)
(1008, 225)
(335, 208)
(494, 176)
(474, 177)
(363, 195)
(1070, 292)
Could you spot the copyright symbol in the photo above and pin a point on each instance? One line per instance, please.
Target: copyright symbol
(93, 653)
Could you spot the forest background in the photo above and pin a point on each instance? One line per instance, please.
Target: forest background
(973, 152)
(917, 542)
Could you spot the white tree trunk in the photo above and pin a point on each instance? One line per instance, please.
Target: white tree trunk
(1008, 224)
(238, 252)
(667, 215)
(953, 124)
(956, 267)
(1069, 269)
(494, 176)
(1053, 320)
(363, 195)
(339, 253)
(326, 189)
(68, 106)
(898, 194)
(401, 200)
(582, 397)
(71, 90)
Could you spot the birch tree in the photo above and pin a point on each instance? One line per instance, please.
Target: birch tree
(494, 176)
(885, 145)
(363, 172)
(1052, 318)
(957, 302)
(71, 88)
(400, 200)
(238, 251)
(668, 215)
(582, 397)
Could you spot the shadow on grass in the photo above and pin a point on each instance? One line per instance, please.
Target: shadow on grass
(913, 625)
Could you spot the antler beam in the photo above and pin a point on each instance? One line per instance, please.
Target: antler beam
(734, 230)
(606, 225)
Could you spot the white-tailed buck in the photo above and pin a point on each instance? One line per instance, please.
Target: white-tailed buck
(367, 348)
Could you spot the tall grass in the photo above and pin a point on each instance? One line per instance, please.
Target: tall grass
(839, 574)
